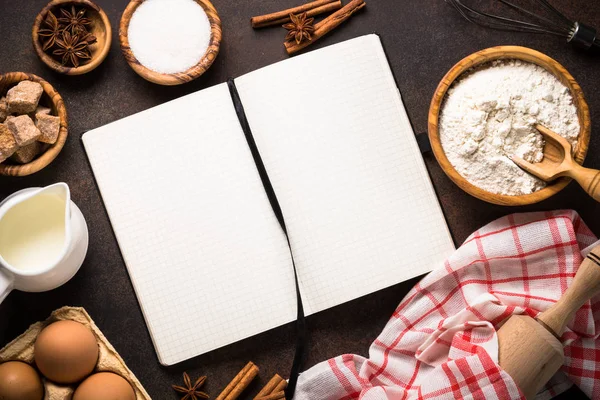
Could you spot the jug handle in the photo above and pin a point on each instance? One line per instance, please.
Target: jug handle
(6, 284)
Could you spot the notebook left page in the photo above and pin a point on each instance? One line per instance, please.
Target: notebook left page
(206, 256)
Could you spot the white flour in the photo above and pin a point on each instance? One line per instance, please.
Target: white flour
(492, 112)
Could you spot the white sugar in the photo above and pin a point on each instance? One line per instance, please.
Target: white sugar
(169, 36)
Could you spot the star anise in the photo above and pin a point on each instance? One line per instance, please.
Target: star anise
(75, 21)
(299, 28)
(87, 37)
(52, 31)
(71, 49)
(191, 392)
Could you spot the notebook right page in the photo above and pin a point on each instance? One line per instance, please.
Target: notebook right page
(342, 157)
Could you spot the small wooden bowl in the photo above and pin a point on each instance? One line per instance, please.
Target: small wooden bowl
(100, 27)
(50, 98)
(180, 77)
(497, 53)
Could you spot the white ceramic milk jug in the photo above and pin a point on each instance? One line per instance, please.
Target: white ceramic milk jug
(43, 239)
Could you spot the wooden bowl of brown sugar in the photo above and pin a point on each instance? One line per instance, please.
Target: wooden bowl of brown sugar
(484, 57)
(99, 27)
(51, 99)
(198, 66)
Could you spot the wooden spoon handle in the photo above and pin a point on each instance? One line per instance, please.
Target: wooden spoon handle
(588, 178)
(585, 285)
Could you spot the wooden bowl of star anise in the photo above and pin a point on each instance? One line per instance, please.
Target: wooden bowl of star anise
(72, 37)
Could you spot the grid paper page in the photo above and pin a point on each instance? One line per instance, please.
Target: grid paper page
(209, 262)
(341, 154)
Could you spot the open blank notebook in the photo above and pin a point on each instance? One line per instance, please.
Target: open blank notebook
(208, 260)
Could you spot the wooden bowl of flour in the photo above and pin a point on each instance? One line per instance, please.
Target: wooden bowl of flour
(514, 53)
(171, 79)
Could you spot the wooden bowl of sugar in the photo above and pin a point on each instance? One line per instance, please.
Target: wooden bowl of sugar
(478, 61)
(170, 42)
(51, 99)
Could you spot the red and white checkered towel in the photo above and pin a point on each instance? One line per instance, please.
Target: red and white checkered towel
(441, 341)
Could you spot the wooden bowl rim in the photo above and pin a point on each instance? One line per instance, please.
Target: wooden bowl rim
(177, 78)
(52, 152)
(507, 52)
(100, 54)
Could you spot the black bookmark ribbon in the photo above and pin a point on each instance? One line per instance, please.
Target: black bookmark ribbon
(262, 171)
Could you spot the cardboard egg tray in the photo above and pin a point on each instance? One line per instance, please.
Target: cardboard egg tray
(21, 349)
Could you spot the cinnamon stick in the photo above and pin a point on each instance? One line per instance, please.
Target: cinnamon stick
(275, 386)
(274, 396)
(280, 387)
(336, 5)
(281, 17)
(239, 383)
(269, 387)
(327, 25)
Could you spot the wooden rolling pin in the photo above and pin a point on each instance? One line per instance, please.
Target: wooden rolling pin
(529, 350)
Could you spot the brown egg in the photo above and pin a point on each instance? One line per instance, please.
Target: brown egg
(104, 386)
(66, 351)
(19, 381)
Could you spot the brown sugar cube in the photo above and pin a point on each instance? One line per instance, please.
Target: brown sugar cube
(23, 129)
(49, 125)
(3, 109)
(27, 153)
(42, 110)
(8, 144)
(24, 97)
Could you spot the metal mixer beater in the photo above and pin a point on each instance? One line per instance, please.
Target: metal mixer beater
(534, 16)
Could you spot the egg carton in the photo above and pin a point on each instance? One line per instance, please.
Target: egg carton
(21, 349)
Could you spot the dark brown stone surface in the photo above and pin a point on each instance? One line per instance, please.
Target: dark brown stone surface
(423, 40)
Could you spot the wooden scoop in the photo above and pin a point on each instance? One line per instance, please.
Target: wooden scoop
(558, 161)
(529, 350)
